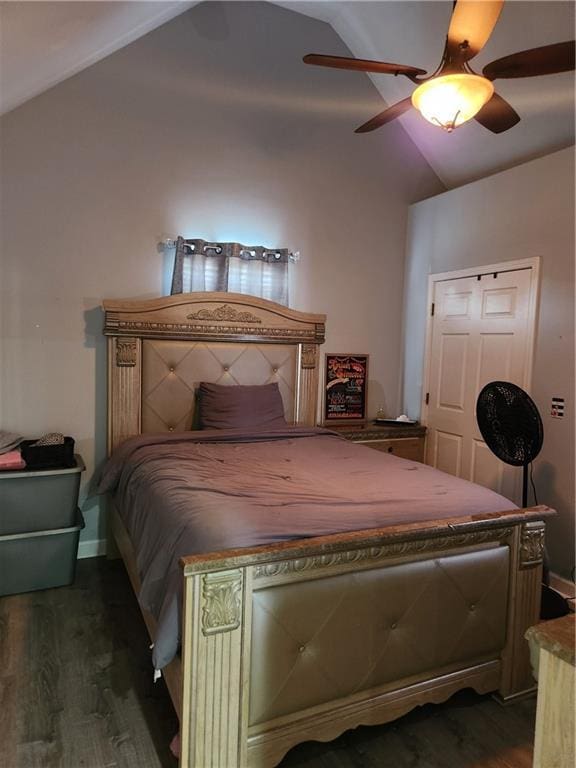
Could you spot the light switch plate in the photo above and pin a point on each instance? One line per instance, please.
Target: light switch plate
(557, 408)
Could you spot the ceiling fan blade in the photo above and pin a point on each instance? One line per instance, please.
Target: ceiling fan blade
(547, 60)
(362, 65)
(470, 27)
(497, 115)
(389, 114)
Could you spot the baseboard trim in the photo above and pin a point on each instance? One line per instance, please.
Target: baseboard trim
(93, 548)
(562, 585)
(505, 701)
(566, 588)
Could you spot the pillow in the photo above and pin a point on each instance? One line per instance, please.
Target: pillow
(237, 407)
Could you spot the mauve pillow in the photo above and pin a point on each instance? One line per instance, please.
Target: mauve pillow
(239, 406)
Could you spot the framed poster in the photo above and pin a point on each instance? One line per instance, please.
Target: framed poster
(345, 388)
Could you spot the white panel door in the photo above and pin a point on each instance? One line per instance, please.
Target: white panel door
(481, 332)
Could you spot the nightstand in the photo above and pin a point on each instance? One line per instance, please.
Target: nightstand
(404, 441)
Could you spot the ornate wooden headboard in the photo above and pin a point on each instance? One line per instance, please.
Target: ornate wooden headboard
(159, 349)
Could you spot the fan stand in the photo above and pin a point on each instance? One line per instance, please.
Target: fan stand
(553, 604)
(524, 485)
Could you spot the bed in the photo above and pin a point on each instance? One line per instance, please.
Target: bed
(305, 638)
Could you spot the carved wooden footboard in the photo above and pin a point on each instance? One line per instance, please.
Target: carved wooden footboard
(304, 640)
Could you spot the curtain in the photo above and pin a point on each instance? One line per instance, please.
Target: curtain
(204, 266)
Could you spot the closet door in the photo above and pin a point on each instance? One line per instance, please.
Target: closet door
(481, 332)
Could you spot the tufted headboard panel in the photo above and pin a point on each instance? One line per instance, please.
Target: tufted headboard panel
(160, 349)
(172, 371)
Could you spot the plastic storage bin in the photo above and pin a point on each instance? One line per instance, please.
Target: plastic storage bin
(40, 559)
(39, 500)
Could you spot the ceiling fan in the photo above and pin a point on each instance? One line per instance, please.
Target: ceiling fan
(454, 93)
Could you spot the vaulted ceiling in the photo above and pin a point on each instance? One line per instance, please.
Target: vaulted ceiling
(43, 43)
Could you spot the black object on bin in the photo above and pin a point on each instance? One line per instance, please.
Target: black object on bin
(48, 456)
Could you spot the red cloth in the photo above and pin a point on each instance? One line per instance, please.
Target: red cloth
(11, 460)
(175, 745)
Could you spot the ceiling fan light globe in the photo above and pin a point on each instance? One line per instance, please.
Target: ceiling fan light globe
(450, 100)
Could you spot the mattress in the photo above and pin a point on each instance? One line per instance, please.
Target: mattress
(212, 490)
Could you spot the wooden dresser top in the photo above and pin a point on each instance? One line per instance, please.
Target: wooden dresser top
(556, 636)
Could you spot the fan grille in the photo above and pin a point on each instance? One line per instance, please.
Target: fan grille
(509, 422)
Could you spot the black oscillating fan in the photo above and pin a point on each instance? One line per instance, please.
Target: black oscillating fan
(512, 428)
(510, 425)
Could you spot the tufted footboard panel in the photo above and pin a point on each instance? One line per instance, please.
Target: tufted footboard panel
(326, 639)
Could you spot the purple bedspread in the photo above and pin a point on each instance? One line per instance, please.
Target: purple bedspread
(198, 492)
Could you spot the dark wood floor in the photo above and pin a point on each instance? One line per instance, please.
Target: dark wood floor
(76, 691)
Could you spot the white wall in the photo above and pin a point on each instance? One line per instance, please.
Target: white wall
(212, 127)
(526, 211)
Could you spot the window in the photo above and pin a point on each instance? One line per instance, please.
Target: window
(203, 266)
